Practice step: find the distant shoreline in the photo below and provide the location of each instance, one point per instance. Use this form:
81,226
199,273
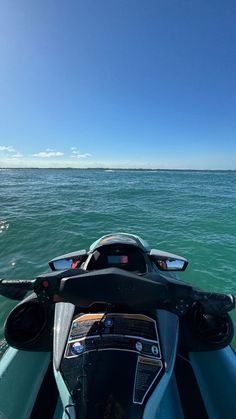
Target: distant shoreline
117,169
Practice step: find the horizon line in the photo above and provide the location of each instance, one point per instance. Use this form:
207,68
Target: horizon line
118,168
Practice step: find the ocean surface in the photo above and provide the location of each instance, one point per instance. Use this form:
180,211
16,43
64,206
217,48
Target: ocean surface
47,212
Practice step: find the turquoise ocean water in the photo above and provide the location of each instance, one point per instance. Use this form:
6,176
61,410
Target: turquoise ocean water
47,212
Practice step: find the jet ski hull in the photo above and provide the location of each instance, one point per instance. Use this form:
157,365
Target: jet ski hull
23,375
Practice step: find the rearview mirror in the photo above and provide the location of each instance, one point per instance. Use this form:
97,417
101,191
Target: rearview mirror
166,261
68,261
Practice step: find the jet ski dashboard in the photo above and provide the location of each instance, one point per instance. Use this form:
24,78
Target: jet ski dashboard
123,256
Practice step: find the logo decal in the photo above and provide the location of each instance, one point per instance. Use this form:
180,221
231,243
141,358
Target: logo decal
77,348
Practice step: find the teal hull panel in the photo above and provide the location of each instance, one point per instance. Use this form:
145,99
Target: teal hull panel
21,375
216,376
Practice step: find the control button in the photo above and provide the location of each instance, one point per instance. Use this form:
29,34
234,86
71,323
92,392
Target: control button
155,350
139,346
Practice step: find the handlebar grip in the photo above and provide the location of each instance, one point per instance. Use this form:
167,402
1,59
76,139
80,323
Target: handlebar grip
26,284
15,289
215,303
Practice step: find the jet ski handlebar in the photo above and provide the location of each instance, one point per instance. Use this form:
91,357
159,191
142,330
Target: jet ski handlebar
117,287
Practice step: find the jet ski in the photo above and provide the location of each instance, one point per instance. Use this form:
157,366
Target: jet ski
113,333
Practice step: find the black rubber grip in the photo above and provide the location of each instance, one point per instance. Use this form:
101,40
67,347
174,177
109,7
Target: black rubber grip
215,303
15,289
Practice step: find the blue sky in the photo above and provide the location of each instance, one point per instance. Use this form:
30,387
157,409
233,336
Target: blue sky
118,83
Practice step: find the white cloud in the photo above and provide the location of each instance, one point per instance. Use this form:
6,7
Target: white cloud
48,153
16,156
8,149
73,148
9,153
76,154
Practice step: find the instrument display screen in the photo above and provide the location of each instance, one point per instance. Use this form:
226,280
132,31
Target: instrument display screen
117,259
